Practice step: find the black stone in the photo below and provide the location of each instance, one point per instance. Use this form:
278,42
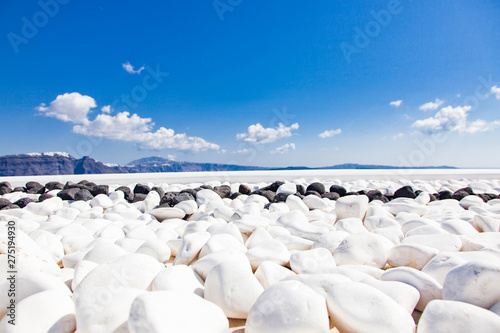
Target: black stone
54,186
224,191
331,195
44,197
485,197
181,197
190,191
351,193
85,182
234,195
139,197
317,187
12,206
206,187
374,195
467,189
405,192
362,192
298,194
280,197
244,189
6,184
4,190
141,189
167,198
267,205
312,193
301,189
129,196
18,189
69,185
492,196
34,188
443,195
160,191
269,195
338,189
417,192
273,187
83,194
68,194
4,203
460,194
433,196
23,202
99,189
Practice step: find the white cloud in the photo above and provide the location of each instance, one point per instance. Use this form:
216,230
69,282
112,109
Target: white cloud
130,69
398,136
284,149
73,107
396,103
69,107
431,105
450,119
496,91
106,109
330,133
171,157
242,151
258,134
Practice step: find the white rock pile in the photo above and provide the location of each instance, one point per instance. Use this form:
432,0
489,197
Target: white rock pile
300,256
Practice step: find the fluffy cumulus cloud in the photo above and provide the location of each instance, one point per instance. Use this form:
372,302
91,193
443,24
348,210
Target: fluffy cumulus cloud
429,106
121,127
106,109
397,136
396,103
450,119
259,134
329,133
496,91
284,149
69,107
130,69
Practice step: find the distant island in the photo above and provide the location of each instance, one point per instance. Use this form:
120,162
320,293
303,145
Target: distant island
60,163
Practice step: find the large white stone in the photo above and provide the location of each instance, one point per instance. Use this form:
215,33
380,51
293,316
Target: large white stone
404,294
474,282
101,200
206,196
487,223
46,311
288,306
156,249
361,249
269,273
296,222
314,202
178,277
165,213
287,188
428,288
351,206
440,242
104,252
233,287
357,307
271,250
295,203
411,255
316,261
190,247
451,316
350,225
175,311
204,265
330,241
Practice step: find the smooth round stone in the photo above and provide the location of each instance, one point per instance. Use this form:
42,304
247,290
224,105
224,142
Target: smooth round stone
315,261
439,266
330,241
29,284
252,208
295,243
357,307
314,202
204,265
105,309
351,206
428,288
393,234
67,213
451,316
295,203
226,213
156,249
178,277
172,311
49,243
190,247
319,282
287,188
298,225
480,240
220,242
404,294
271,250
471,200
415,223
233,287
288,306
226,229
474,282
101,200
104,252
269,273
166,213
188,206
399,207
485,223
258,199
46,311
425,230
440,242
411,255
361,249
458,227
140,232
376,222
279,207
350,225
206,196
129,271
258,236
129,245
82,268
248,223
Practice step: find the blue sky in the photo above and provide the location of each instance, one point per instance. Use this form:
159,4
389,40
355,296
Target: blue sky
211,81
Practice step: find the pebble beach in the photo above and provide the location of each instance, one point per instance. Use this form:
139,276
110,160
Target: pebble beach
281,255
